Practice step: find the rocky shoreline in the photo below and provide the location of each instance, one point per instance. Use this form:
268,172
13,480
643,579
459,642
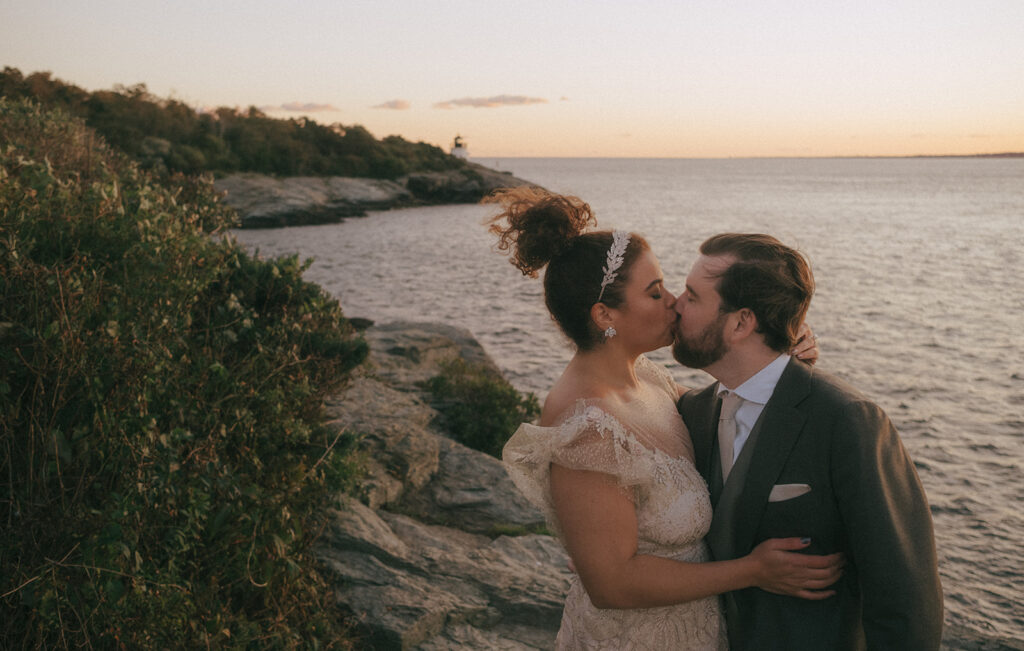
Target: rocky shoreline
268,202
422,559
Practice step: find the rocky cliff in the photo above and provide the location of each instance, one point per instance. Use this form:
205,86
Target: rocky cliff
418,559
265,201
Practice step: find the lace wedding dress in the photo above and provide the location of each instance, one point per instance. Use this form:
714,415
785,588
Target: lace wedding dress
644,444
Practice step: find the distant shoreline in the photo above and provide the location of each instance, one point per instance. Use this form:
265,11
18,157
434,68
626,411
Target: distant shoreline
265,201
1009,154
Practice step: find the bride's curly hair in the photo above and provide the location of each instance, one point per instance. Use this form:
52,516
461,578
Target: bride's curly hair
545,229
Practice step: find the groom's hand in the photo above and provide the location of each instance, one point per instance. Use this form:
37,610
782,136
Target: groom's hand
806,347
786,572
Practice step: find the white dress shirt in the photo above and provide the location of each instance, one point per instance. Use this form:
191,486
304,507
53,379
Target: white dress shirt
755,393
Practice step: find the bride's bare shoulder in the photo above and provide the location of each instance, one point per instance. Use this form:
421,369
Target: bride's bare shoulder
555,405
569,388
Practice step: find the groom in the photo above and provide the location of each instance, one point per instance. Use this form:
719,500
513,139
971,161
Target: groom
790,451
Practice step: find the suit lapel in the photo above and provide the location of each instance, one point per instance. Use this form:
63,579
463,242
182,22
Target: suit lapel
704,430
781,426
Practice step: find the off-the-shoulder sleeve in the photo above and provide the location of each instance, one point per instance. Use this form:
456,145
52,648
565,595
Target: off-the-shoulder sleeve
588,439
657,375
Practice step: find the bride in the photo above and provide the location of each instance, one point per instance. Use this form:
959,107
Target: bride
610,462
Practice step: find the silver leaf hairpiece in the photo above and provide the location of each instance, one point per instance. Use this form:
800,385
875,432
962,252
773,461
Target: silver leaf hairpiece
620,240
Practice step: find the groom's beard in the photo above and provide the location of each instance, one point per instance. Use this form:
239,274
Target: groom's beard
703,350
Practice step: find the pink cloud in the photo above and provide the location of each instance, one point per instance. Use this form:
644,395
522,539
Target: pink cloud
396,104
307,107
491,102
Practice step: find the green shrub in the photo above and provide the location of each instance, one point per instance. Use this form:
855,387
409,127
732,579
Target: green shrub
162,450
480,409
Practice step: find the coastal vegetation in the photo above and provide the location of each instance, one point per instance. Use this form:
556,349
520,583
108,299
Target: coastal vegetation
166,461
163,454
479,408
167,135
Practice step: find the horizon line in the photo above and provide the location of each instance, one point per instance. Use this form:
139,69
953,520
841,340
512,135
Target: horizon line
1016,154
998,155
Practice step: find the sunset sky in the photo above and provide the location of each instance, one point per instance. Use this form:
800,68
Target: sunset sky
680,78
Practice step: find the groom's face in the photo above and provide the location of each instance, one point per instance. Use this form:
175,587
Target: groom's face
699,335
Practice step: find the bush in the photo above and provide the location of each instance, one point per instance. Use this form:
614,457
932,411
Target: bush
480,409
163,454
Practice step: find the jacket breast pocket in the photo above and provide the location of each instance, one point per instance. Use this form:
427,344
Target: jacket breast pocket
783,492
793,513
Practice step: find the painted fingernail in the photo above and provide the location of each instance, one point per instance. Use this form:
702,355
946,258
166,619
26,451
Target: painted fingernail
805,541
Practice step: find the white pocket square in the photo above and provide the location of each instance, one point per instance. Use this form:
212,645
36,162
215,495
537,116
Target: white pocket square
783,492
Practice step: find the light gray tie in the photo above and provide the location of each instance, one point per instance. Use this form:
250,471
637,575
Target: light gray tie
727,430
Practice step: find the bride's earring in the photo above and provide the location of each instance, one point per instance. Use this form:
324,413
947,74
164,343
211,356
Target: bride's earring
610,332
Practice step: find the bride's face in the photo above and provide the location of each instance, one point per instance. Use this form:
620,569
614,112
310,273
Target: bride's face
646,319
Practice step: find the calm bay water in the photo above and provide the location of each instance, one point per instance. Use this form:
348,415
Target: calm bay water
919,302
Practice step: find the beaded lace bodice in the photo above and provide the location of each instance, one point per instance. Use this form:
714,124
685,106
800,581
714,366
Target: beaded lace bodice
644,444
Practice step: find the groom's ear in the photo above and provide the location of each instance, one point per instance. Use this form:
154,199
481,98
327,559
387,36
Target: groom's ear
745,324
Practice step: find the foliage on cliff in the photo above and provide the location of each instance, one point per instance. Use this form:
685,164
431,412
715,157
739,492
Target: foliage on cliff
162,448
480,409
166,134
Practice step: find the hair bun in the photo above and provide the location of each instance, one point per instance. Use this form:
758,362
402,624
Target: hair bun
540,225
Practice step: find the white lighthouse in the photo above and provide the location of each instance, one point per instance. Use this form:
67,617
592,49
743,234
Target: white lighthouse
459,149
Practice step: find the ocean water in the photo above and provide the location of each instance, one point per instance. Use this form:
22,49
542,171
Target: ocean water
919,302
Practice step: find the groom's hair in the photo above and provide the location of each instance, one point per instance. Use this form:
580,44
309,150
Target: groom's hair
769,278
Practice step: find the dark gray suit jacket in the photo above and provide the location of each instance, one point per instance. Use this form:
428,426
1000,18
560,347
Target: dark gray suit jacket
866,501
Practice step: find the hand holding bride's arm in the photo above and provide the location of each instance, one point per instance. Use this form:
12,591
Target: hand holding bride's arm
785,572
599,525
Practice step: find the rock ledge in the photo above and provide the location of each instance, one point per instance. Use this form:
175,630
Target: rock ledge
414,560
266,201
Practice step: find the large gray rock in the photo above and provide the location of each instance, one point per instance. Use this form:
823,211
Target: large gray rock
410,464
472,491
266,201
392,426
411,585
407,581
405,353
468,184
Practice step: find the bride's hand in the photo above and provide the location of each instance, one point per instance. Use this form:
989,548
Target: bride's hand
785,572
806,348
